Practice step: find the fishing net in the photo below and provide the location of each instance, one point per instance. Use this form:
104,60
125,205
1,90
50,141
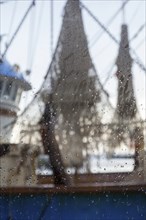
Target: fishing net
128,128
80,103
85,122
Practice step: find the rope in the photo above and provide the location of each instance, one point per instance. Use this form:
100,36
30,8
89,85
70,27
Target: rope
140,43
135,12
39,90
6,1
12,18
52,23
33,128
136,59
109,74
110,22
32,25
138,32
123,13
114,39
18,28
102,50
37,34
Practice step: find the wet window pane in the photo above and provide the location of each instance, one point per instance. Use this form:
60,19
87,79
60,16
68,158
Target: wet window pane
79,137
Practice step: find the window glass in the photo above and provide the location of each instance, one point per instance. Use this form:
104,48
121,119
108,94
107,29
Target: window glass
14,93
83,124
18,96
8,89
1,87
43,165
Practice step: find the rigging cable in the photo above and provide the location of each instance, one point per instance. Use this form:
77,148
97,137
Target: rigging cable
31,34
102,50
102,32
52,25
136,58
32,25
12,18
123,13
3,2
37,34
140,43
1,38
51,65
109,73
18,28
39,90
135,13
110,22
138,32
33,43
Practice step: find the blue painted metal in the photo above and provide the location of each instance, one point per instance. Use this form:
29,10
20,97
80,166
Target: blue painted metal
7,70
89,206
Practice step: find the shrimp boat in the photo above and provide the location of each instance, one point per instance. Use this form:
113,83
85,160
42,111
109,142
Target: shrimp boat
64,128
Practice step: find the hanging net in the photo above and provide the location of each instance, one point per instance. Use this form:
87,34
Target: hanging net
128,128
81,106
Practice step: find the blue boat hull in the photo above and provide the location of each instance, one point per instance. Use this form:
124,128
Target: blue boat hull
74,206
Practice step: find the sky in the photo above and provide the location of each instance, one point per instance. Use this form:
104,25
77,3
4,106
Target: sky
31,48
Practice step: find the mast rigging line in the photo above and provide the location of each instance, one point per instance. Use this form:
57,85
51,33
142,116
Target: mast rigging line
39,90
31,41
33,128
36,34
102,50
136,59
52,25
12,18
135,13
3,2
110,21
138,32
140,43
109,74
19,26
53,58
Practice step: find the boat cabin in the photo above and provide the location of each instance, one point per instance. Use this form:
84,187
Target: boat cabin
12,84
